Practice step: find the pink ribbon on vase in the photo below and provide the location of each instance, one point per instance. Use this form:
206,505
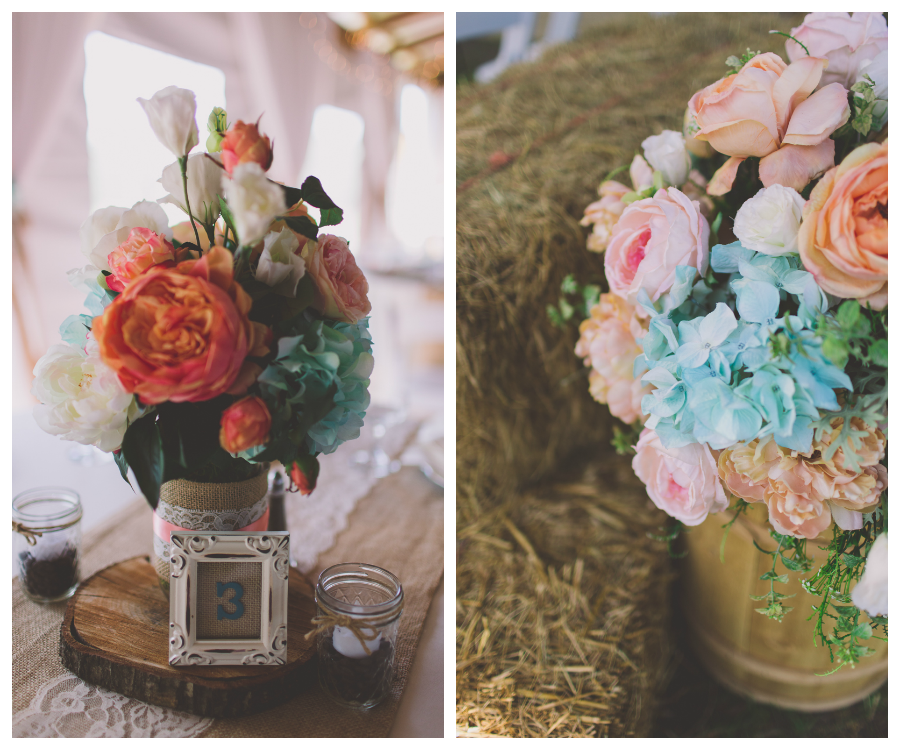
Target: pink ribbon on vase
163,529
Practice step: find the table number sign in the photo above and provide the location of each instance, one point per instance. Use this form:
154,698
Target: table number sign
229,594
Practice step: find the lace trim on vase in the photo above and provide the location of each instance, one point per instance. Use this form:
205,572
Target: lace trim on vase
68,707
211,520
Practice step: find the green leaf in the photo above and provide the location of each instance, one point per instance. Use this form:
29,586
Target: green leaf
228,216
863,630
569,285
851,561
119,458
878,353
302,225
313,193
143,451
566,309
791,564
836,351
771,575
848,313
292,195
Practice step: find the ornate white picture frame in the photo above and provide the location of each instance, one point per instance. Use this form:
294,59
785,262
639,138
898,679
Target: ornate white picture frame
214,622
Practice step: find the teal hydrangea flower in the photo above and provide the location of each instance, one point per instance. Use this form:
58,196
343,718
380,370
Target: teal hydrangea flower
317,387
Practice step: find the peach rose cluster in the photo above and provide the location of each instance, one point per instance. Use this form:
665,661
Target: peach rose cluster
652,238
804,492
773,111
609,347
182,334
843,239
683,482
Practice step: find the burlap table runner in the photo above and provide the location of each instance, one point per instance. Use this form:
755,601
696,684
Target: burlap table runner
398,526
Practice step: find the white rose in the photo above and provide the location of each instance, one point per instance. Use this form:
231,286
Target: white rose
877,70
254,201
81,398
204,181
278,266
107,228
770,220
172,114
668,153
871,593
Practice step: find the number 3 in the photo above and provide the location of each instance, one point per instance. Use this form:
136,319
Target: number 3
221,588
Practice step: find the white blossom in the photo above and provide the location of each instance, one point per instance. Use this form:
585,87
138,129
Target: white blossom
278,266
667,152
770,221
204,182
81,397
254,201
871,593
172,114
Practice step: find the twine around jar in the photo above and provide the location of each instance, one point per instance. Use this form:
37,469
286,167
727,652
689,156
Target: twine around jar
30,534
353,624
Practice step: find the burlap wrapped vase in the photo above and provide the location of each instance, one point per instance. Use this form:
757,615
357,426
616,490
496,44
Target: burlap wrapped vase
207,506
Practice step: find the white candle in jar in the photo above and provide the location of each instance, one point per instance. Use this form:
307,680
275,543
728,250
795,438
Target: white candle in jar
345,642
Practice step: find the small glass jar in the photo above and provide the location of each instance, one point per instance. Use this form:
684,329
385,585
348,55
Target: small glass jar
48,542
359,608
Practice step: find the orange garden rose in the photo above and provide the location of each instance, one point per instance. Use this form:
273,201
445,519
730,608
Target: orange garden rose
245,424
142,250
244,143
844,235
341,288
182,334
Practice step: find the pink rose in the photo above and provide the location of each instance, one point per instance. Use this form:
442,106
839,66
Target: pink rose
768,109
341,288
604,214
142,250
653,237
846,41
843,239
608,346
683,482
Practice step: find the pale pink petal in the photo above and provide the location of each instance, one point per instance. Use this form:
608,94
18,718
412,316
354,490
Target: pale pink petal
819,116
878,300
641,173
848,520
797,82
723,179
742,138
794,166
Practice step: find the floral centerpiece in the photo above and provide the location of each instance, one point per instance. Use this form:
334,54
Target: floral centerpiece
743,336
235,338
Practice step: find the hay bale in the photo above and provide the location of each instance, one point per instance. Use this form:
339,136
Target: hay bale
562,603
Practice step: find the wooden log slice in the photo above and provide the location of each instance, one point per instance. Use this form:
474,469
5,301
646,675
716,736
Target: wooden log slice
115,635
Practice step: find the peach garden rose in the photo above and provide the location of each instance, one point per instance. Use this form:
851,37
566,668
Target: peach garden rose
608,346
773,111
843,239
244,143
341,288
683,482
245,424
182,334
652,238
142,250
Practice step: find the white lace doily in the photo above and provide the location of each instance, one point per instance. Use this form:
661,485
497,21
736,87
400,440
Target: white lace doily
67,707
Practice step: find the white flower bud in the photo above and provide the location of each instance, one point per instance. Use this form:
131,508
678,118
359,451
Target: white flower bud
668,153
871,593
278,266
254,201
172,112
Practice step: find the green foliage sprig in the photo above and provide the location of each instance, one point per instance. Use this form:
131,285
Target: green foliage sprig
575,302
735,63
798,561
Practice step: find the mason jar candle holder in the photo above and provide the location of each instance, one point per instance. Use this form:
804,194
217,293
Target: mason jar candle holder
358,609
48,542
